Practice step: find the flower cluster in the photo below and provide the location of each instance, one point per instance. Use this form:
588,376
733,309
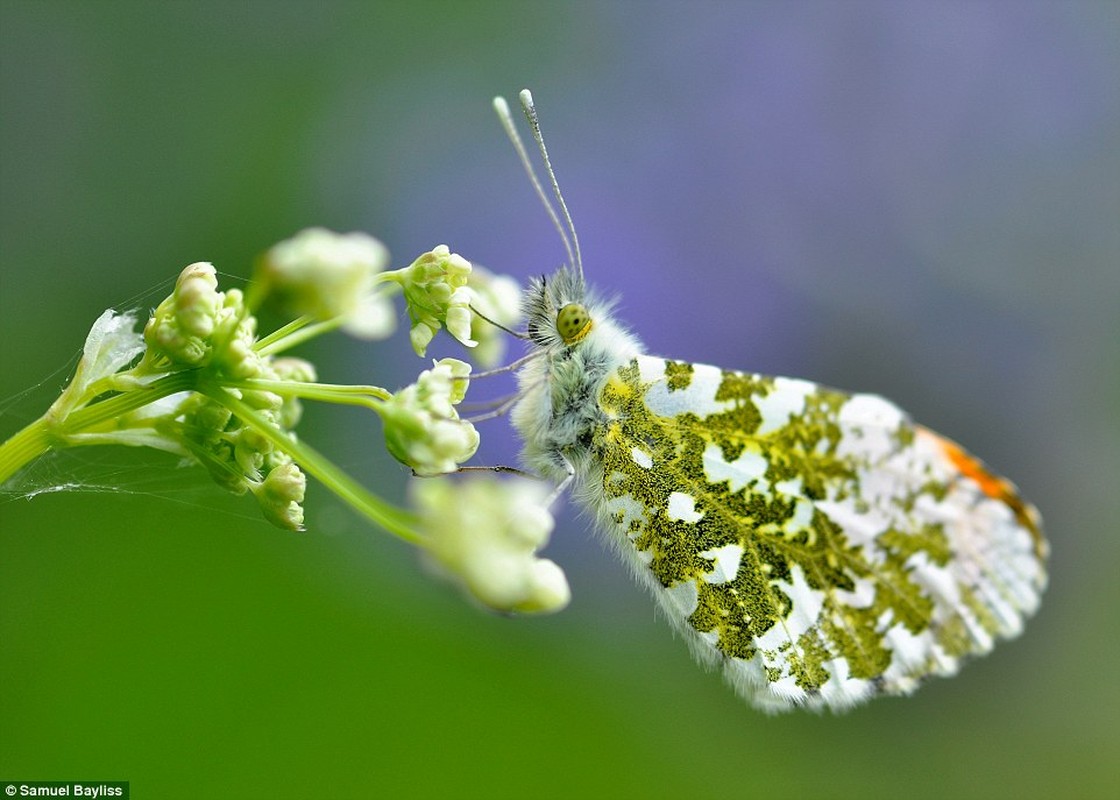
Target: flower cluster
200,383
423,429
199,326
435,288
238,450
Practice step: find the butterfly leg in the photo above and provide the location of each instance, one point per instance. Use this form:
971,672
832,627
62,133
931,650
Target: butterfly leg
569,476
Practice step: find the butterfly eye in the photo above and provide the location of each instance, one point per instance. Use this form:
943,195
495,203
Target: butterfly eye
572,323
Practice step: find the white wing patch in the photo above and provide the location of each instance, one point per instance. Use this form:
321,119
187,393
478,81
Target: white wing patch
683,507
740,473
725,563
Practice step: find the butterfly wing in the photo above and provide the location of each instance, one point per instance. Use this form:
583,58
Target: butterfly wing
818,546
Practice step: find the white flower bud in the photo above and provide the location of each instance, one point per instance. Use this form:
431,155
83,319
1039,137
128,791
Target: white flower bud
459,316
197,299
484,534
181,327
549,590
281,494
329,275
421,336
458,376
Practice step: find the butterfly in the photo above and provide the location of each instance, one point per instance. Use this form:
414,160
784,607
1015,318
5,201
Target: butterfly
817,547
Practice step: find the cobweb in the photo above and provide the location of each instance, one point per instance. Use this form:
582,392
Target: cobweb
125,471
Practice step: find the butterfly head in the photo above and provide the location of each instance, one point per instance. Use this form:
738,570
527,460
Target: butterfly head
558,310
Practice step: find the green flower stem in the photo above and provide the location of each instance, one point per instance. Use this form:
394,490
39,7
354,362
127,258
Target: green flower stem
117,406
395,520
294,333
343,394
49,432
282,331
391,276
25,446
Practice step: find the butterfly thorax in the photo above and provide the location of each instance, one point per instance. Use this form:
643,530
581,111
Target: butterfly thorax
578,345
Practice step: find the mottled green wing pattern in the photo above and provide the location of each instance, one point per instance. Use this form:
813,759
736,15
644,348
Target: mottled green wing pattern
817,546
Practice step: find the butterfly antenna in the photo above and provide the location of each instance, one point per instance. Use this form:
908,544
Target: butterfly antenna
500,326
530,110
502,109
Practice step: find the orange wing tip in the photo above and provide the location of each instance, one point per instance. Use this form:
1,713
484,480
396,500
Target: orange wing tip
992,485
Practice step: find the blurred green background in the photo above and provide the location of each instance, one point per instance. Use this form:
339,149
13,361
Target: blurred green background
918,199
